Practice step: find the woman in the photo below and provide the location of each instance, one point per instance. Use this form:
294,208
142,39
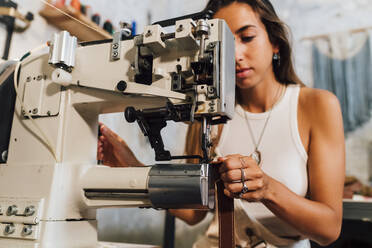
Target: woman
282,154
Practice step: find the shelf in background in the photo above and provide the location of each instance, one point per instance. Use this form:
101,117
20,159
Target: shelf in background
63,22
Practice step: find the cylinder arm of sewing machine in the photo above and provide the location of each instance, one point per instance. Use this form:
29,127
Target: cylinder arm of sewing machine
194,65
158,186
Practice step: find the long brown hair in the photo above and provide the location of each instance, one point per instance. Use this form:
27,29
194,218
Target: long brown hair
278,35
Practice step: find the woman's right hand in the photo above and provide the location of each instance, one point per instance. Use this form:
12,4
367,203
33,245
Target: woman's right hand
113,150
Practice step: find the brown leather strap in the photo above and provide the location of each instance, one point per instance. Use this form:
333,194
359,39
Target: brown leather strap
225,218
225,206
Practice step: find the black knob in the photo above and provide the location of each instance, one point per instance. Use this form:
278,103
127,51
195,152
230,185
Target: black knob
130,114
122,85
29,16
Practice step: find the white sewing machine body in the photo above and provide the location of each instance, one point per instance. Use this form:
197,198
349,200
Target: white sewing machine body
44,203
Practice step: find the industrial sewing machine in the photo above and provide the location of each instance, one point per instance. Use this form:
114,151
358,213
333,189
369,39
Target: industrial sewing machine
50,182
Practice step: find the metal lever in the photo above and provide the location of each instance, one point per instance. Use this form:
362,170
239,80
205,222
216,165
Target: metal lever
151,121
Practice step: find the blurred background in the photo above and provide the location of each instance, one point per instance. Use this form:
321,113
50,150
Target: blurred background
332,50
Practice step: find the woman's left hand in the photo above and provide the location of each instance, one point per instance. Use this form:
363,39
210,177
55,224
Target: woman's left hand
256,181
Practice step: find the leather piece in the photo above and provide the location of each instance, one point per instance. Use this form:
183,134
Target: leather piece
225,218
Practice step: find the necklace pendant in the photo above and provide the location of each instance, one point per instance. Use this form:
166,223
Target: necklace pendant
256,155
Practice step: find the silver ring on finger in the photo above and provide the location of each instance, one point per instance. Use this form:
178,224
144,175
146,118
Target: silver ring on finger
245,188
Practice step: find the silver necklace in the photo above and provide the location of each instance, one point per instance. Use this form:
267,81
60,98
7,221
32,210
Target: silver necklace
256,154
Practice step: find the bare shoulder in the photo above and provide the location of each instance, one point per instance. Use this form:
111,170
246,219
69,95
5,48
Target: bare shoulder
319,106
316,101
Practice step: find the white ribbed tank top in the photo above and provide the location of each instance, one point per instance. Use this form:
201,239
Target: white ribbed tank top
283,155
284,158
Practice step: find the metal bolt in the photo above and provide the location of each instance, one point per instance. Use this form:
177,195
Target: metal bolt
211,90
28,79
180,28
39,77
9,229
202,27
115,46
122,85
211,45
12,210
4,157
35,110
29,210
115,54
148,34
27,230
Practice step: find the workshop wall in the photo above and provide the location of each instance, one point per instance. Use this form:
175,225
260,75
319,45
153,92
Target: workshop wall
305,18
312,17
